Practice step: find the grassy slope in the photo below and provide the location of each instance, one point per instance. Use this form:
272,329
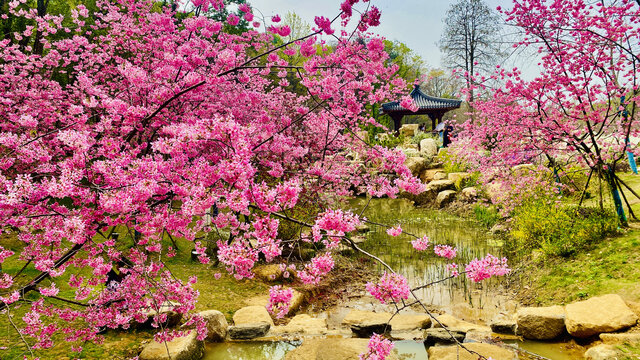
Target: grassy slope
612,266
225,295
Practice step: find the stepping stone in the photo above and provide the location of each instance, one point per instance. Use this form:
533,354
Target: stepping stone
541,323
456,353
248,331
216,324
602,314
441,336
183,348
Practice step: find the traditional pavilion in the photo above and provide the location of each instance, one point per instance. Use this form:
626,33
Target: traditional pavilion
432,106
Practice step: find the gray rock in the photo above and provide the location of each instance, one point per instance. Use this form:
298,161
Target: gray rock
445,197
367,330
173,317
251,315
416,164
607,313
469,194
455,353
248,331
440,185
183,348
429,147
602,352
441,336
541,323
409,130
503,324
216,324
440,176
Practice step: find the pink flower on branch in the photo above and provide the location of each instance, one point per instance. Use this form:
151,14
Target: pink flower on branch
279,301
378,348
317,269
391,288
395,231
421,244
445,251
478,270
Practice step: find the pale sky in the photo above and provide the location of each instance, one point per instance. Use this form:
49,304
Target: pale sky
417,23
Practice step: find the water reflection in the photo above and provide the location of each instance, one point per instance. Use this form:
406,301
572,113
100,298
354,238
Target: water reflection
472,241
249,350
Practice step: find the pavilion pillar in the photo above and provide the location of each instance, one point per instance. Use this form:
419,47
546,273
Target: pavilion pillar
397,121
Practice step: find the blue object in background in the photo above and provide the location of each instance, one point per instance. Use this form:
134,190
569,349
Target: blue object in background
632,162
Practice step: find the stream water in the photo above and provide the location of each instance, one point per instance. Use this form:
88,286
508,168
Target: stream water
468,301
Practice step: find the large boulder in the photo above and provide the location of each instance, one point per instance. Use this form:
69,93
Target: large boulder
442,336
182,348
416,164
602,352
441,176
458,177
365,323
445,197
302,324
357,317
503,324
429,147
541,323
173,318
621,338
428,175
607,313
455,353
469,194
331,349
409,130
440,185
216,325
268,273
252,315
404,322
249,331
453,323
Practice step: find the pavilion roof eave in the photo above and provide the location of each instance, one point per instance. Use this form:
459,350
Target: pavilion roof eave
426,104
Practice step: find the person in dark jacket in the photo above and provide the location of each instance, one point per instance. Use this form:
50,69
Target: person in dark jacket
446,136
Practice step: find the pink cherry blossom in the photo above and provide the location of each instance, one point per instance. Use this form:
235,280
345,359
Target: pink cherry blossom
445,251
391,288
478,270
279,301
395,231
421,244
378,348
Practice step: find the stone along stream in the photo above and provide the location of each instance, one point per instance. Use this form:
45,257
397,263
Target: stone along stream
463,299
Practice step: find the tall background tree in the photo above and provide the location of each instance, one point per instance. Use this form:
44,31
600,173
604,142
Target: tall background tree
470,40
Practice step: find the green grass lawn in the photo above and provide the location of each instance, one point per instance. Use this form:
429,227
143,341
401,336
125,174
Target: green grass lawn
611,266
225,294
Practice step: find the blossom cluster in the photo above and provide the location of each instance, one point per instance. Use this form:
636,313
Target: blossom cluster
279,301
445,251
391,287
421,244
317,269
481,269
377,349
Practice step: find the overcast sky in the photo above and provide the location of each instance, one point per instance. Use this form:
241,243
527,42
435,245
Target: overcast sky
417,23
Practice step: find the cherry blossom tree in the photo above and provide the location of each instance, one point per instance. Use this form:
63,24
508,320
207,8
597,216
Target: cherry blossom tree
580,109
141,117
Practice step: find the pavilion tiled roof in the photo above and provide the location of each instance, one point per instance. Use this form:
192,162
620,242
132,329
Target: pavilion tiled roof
424,102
